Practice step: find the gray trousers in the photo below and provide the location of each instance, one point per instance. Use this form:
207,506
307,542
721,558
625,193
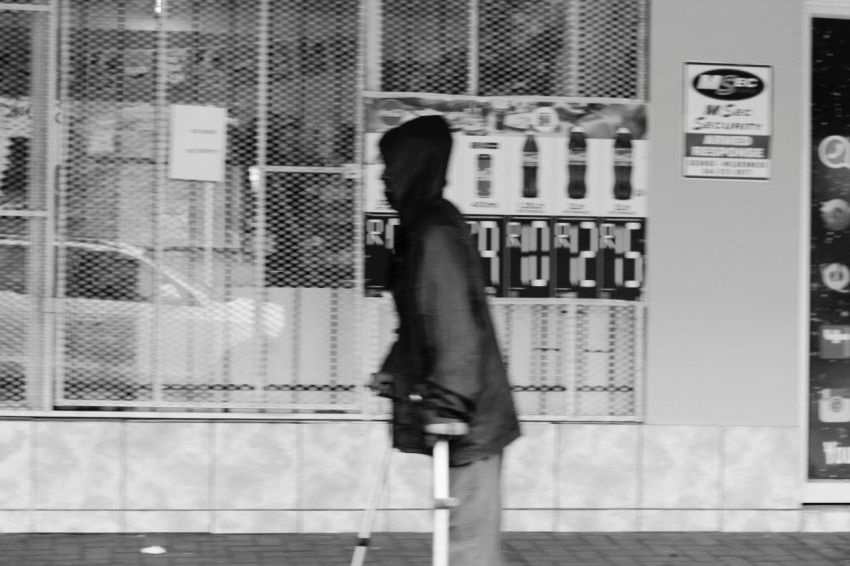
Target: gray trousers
475,524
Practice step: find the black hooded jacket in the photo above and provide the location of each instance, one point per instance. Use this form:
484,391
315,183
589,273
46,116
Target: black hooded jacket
446,353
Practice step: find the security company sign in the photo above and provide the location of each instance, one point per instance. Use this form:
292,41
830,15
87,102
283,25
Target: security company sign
727,121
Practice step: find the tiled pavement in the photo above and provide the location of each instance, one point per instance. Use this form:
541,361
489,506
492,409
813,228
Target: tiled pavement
399,549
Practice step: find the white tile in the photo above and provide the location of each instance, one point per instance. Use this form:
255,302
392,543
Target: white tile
409,482
529,468
596,520
329,521
680,467
528,520
168,466
15,522
761,468
826,520
339,463
760,521
167,521
672,520
78,465
404,521
254,521
16,473
598,466
77,522
256,465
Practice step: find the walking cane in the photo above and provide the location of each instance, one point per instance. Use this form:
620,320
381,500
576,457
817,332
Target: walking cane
375,496
442,500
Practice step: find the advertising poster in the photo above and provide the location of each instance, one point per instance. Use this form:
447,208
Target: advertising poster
829,297
554,190
727,121
537,156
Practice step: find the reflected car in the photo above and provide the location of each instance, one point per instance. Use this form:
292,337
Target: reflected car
127,321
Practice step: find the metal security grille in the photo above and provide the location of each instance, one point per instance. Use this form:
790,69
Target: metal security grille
25,42
245,292
566,359
586,48
182,292
577,360
425,46
609,46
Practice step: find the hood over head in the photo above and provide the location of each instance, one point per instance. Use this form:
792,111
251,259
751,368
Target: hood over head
416,158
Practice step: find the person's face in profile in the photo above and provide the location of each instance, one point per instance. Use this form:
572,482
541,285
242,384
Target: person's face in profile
390,179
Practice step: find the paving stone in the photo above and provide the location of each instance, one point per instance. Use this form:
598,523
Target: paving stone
413,549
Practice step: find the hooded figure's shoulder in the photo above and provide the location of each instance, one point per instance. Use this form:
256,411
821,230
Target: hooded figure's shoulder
440,213
441,220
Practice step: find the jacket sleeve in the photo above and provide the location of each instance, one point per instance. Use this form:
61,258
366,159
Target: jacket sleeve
396,362
448,326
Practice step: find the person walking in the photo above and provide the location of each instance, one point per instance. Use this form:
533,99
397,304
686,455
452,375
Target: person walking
445,366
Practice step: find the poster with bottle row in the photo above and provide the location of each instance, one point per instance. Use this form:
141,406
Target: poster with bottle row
534,256
529,156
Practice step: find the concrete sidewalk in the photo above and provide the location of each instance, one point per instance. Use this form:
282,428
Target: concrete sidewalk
401,549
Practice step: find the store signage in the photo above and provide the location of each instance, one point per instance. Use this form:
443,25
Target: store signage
834,152
727,121
835,454
829,264
728,84
835,342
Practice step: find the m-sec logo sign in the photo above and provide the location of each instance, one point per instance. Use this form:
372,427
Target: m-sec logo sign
728,84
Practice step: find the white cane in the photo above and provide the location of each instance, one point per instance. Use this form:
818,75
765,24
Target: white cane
375,496
443,502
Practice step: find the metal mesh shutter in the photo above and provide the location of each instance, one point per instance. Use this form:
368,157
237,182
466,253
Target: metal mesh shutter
566,360
25,160
172,293
425,46
175,291
587,48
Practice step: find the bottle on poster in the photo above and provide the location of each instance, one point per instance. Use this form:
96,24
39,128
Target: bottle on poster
623,157
577,163
529,166
484,175
500,110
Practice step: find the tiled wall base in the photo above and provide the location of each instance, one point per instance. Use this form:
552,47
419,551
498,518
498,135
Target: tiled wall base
77,522
16,521
239,522
826,519
127,476
419,520
597,520
761,521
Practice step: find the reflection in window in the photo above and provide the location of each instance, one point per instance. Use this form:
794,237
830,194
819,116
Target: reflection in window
15,108
108,276
12,268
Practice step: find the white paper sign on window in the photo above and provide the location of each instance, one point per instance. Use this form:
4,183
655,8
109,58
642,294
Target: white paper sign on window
198,143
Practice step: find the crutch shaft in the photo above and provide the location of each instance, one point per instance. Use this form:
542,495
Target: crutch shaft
375,493
442,503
